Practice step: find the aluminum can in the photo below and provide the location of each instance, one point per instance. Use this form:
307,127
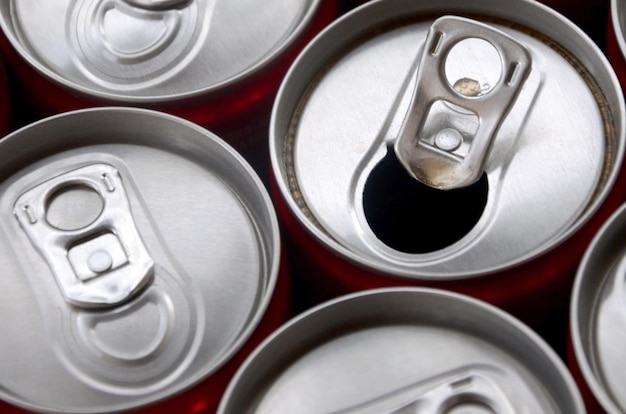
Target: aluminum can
216,63
597,318
615,40
6,110
140,264
369,105
403,350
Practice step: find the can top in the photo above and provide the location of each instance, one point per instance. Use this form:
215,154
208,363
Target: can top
344,106
403,350
139,252
140,50
598,321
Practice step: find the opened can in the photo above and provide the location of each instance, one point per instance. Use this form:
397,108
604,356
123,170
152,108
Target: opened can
403,350
597,318
466,146
140,264
216,63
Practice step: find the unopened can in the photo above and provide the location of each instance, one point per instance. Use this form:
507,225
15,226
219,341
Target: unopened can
403,350
466,146
140,264
598,319
216,63
616,41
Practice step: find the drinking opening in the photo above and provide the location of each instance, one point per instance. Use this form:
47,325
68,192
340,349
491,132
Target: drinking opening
412,217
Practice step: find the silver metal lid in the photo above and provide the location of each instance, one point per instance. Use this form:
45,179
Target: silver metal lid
598,321
403,350
152,50
138,253
342,106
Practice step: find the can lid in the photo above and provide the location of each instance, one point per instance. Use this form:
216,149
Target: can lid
152,50
135,260
618,19
399,351
341,110
598,321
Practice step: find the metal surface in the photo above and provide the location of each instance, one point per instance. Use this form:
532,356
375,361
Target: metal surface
618,20
448,148
552,164
403,350
203,218
597,318
152,51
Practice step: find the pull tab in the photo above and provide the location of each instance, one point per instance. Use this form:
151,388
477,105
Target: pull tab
469,76
461,392
82,224
157,4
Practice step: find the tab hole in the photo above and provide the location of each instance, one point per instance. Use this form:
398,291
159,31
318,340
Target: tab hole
473,67
411,217
73,207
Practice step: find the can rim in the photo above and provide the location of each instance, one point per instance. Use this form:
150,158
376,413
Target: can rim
582,359
507,318
270,241
214,89
329,243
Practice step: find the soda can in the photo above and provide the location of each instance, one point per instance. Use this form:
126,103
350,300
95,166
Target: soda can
216,63
597,319
457,145
615,40
6,110
403,350
140,264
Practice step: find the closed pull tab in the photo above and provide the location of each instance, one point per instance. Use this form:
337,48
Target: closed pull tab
469,77
82,225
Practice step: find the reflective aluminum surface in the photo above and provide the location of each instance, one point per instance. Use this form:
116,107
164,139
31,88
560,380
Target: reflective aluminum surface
552,163
138,254
147,51
403,350
598,317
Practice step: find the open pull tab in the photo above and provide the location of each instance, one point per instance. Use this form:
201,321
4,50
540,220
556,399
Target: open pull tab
82,224
470,392
469,77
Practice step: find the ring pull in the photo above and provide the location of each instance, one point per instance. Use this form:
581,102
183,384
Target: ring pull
470,75
82,224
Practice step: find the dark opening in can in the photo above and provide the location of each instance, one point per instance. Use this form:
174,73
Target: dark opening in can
140,263
514,105
405,350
